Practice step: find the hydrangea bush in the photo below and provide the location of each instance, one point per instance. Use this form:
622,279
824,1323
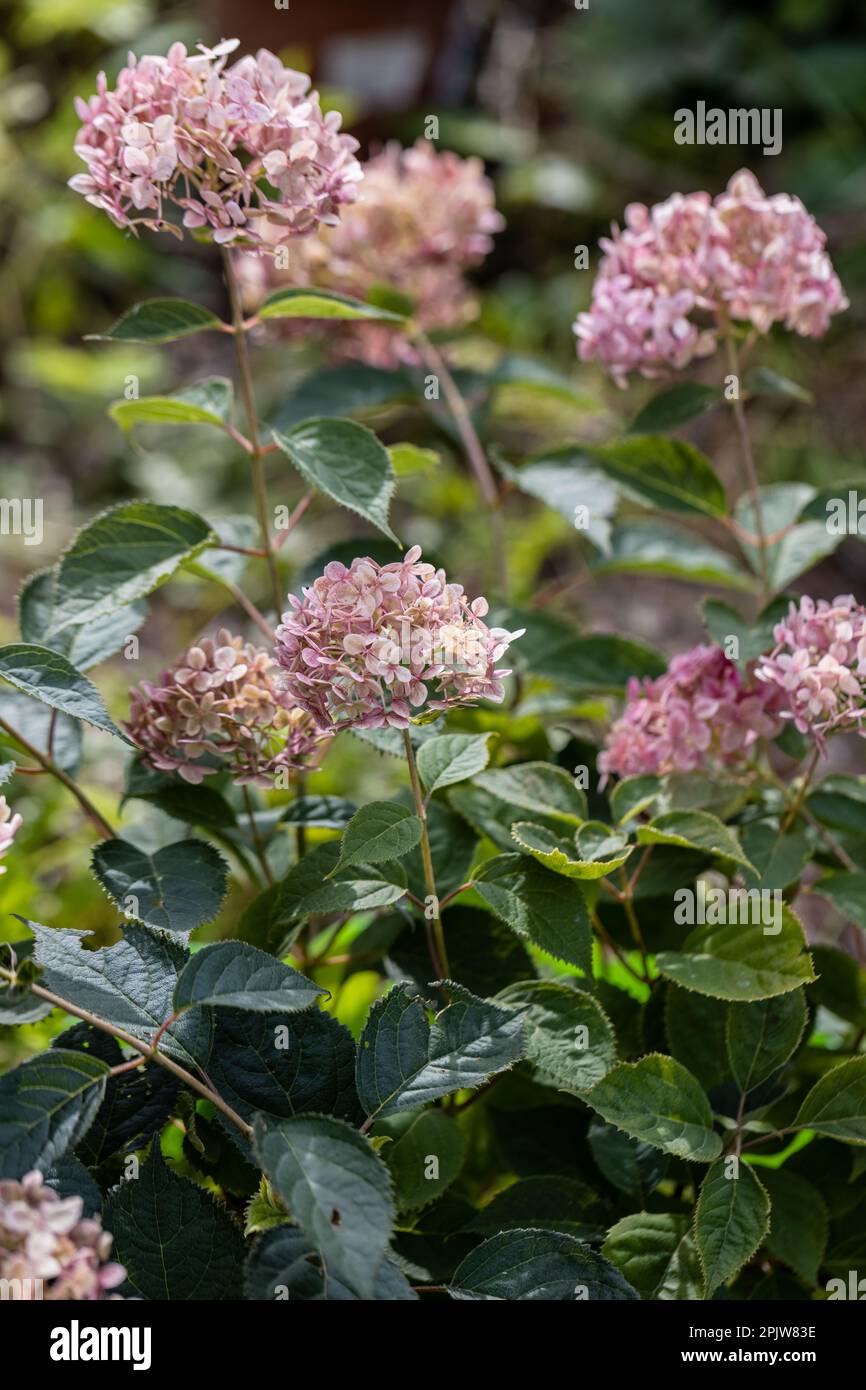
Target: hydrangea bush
603,1059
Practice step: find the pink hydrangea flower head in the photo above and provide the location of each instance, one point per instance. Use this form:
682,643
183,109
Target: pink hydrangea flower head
421,220
221,707
9,826
368,644
672,278
819,665
701,714
48,1249
241,153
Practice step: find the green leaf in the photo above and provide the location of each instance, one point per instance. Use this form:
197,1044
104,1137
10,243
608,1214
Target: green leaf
799,1224
600,663
763,381
208,402
284,1266
231,974
346,462
538,906
404,1061
696,1031
452,758
731,1219
85,645
659,1101
694,830
762,1036
569,1039
46,1107
741,961
675,406
724,622
656,1253
201,805
538,1264
555,853
337,1189
407,459
351,389
51,678
380,831
802,546
533,374
565,483
177,888
175,1241
319,812
632,1167
159,321
652,547
122,555
282,1064
663,473
129,984
634,795
18,1003
137,1103
323,304
836,1105
416,1140
847,893
545,1203
542,788
315,884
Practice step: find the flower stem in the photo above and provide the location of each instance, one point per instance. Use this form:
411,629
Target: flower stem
435,930
257,839
246,384
750,469
474,451
87,806
149,1052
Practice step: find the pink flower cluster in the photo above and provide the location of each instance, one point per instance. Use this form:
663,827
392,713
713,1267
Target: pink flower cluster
9,826
669,283
819,665
369,642
45,1238
422,219
243,153
700,714
221,707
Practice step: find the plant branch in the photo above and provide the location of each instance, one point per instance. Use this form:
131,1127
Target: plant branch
246,384
435,930
148,1052
95,817
748,459
473,449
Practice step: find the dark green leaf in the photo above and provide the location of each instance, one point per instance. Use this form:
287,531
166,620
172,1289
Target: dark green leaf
49,677
539,906
731,1220
177,888
233,975
46,1107
337,1189
656,1253
159,321
529,1264
404,1061
175,1242
659,1101
675,406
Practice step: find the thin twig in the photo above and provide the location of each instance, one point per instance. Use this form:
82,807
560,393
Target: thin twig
435,930
95,817
148,1050
246,384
